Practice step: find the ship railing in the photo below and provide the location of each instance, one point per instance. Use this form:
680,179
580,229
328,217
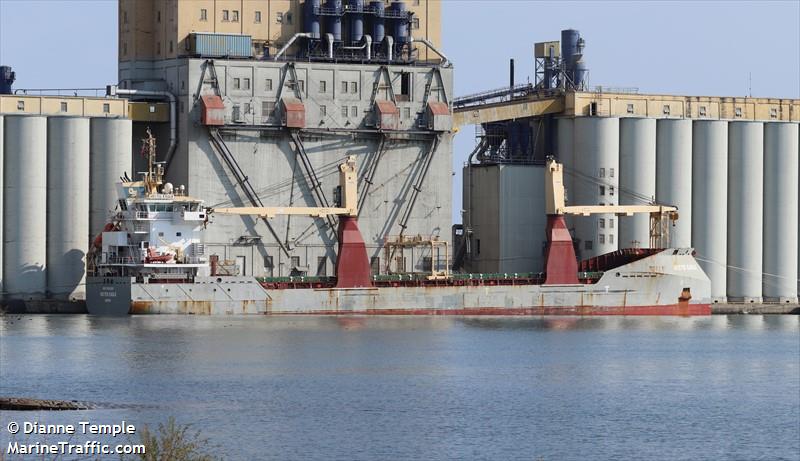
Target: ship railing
121,260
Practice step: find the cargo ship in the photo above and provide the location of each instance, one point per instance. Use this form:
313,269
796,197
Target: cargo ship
151,259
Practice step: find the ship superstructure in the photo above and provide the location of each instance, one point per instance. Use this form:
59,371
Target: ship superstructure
156,236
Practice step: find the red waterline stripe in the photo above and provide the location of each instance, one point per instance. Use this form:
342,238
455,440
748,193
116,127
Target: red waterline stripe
669,309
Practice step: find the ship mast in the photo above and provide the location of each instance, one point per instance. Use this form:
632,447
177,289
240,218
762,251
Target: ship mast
154,176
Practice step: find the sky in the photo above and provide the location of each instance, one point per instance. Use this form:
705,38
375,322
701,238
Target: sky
708,48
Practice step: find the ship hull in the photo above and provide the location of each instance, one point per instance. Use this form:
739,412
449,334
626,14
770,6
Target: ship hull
656,285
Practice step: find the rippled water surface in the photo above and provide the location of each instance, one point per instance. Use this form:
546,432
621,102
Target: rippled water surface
723,387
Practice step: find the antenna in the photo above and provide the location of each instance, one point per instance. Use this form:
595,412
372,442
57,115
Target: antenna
749,84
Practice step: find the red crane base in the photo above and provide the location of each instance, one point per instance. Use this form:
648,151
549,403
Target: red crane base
561,265
352,263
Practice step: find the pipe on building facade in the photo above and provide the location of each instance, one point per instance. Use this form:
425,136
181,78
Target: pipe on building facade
173,113
290,42
367,44
330,39
389,47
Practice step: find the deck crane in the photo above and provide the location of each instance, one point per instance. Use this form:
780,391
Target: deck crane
561,265
352,263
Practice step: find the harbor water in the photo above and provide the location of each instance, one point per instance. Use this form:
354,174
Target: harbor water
306,388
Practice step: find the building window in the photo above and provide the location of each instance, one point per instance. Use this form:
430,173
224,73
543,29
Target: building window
601,239
158,47
170,46
235,16
375,265
267,107
344,87
226,16
666,109
246,84
268,84
416,2
610,238
773,113
406,113
236,112
602,190
354,87
203,14
610,172
20,105
702,111
288,18
269,266
295,262
611,223
258,17
738,112
237,83
602,223
323,111
323,86
183,107
415,23
602,172
322,266
587,245
610,190
279,18
354,111
344,111
106,108
247,108
158,16
630,108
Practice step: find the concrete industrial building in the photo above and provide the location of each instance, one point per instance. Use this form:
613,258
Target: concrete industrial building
730,164
384,102
152,30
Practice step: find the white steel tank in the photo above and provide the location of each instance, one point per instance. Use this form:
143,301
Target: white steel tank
780,211
637,178
710,201
745,210
596,182
674,175
25,207
110,157
67,206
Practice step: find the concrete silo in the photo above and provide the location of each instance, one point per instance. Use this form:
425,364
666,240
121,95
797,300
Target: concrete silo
745,210
110,156
710,201
780,211
637,177
674,175
596,182
25,207
67,206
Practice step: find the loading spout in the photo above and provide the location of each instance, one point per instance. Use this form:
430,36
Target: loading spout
289,43
427,43
112,90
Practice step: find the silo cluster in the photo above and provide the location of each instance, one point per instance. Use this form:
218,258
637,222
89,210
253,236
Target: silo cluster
53,170
735,184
